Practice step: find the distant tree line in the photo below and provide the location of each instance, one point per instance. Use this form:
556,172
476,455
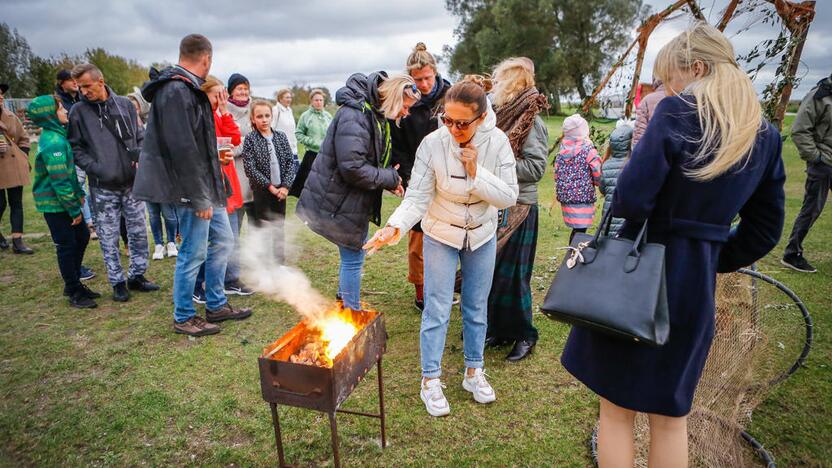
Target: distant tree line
28,74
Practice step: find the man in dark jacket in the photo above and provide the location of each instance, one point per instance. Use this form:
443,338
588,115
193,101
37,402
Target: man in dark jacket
67,89
812,134
104,133
423,119
180,164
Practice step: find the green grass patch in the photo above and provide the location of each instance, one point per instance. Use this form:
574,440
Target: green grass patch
115,386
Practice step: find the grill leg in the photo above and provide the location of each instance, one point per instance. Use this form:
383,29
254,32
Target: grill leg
333,427
277,437
381,404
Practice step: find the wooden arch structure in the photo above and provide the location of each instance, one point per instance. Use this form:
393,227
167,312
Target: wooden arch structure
796,17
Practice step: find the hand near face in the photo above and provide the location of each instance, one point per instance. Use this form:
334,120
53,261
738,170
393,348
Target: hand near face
468,156
222,101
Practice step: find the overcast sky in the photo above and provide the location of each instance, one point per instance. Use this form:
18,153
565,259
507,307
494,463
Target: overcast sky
315,42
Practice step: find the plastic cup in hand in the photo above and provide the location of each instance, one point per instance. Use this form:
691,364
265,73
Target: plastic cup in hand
224,149
223,143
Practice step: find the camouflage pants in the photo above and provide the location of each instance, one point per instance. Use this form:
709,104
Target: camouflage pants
109,206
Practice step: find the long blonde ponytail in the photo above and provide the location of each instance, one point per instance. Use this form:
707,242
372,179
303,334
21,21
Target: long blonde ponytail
727,106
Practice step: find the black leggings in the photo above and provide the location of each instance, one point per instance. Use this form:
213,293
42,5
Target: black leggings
268,209
15,197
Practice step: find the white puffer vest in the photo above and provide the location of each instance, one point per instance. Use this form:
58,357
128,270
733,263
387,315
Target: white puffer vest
454,209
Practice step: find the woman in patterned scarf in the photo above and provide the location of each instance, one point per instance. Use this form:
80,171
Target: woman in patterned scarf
517,104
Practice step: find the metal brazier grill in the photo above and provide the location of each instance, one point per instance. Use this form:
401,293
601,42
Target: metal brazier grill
323,388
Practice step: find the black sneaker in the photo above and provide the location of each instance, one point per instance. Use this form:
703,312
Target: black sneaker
199,295
88,292
120,293
80,300
238,288
798,263
419,305
140,283
86,274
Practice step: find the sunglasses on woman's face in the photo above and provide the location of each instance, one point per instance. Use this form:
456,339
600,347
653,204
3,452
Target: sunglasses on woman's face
461,125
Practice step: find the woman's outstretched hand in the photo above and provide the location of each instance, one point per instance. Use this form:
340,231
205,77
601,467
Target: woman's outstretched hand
384,236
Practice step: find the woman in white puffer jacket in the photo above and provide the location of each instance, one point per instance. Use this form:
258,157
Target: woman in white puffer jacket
464,173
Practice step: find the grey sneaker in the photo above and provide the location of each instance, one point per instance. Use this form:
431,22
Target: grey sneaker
195,326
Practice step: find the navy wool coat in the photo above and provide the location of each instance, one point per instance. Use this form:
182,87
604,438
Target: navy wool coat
694,221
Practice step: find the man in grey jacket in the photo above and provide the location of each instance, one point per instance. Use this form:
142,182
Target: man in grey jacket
105,137
812,134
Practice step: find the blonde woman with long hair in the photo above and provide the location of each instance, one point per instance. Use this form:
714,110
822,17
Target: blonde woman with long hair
707,155
343,192
518,105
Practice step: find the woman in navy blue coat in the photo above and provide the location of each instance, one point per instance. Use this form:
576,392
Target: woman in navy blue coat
689,184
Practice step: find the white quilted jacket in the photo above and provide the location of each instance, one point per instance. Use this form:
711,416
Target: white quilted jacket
454,209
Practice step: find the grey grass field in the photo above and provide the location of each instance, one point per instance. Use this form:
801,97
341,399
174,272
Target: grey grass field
115,386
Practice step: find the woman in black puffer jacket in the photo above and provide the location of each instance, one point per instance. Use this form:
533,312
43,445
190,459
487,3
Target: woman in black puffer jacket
343,192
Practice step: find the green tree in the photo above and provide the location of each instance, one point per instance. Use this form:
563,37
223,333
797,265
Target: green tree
45,70
15,62
569,40
120,73
591,34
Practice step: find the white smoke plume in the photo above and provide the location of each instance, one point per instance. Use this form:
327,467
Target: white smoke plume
261,271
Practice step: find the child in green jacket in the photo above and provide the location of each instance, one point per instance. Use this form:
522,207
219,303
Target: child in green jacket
59,196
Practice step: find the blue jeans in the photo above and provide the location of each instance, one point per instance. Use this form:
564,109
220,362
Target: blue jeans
201,239
440,272
349,276
166,211
232,270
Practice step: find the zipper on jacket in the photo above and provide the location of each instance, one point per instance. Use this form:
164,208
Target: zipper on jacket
338,206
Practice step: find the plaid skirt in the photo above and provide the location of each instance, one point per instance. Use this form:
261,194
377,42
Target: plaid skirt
510,300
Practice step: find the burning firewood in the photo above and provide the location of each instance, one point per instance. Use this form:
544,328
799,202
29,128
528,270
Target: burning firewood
310,354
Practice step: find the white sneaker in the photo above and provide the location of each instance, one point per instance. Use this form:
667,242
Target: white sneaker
434,399
476,384
159,252
172,252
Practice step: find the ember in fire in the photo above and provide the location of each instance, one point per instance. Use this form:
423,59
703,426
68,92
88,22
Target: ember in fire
329,337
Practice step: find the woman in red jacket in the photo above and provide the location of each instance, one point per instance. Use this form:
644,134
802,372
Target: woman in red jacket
225,127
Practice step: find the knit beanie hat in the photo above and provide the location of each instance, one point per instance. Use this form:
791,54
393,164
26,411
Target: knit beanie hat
575,127
236,79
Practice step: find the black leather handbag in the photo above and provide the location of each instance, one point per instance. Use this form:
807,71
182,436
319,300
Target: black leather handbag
612,285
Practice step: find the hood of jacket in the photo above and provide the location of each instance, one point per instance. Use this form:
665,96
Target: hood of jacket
620,139
359,89
158,78
43,112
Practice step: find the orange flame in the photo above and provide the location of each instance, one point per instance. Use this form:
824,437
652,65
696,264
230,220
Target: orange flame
335,334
